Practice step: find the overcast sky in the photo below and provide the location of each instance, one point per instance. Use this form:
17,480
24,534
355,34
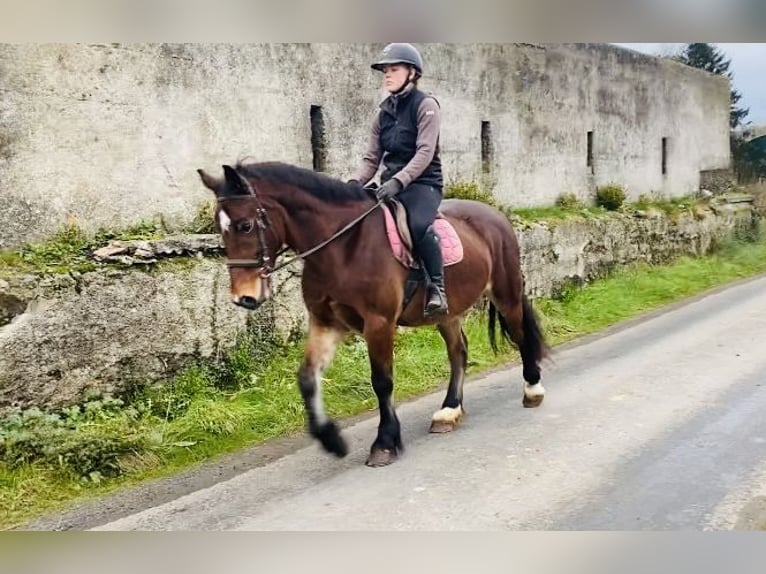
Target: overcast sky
748,64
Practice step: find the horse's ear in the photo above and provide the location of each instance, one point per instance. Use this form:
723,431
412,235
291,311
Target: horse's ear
209,181
237,184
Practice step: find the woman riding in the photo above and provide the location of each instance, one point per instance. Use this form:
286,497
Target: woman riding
405,136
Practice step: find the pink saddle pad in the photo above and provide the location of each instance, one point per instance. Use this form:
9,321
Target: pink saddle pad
452,247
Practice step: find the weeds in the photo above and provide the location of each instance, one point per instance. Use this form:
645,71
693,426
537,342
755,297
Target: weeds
70,249
610,197
569,201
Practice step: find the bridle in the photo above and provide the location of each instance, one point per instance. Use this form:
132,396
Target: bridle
262,223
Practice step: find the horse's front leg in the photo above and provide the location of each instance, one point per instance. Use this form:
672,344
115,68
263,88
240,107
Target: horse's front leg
320,350
379,334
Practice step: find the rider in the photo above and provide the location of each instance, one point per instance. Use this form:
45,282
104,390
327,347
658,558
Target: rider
405,135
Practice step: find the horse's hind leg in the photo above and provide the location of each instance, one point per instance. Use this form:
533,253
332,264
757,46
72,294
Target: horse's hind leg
519,324
320,350
445,419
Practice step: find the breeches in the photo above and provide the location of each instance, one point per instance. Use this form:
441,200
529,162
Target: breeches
422,204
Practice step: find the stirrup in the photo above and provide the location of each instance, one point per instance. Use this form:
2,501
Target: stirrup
439,307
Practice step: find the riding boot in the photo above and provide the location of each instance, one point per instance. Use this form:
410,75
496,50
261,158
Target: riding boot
430,253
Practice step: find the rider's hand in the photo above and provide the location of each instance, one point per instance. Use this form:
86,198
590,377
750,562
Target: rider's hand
388,189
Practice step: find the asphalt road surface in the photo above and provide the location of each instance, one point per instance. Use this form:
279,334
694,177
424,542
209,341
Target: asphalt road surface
659,424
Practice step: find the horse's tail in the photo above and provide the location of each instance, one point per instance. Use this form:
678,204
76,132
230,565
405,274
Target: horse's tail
533,335
494,315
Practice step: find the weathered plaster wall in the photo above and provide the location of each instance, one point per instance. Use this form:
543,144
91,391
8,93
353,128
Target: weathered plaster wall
110,134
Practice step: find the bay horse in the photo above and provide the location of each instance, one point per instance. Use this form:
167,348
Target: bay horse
353,283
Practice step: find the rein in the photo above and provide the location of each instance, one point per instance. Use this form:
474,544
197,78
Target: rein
262,260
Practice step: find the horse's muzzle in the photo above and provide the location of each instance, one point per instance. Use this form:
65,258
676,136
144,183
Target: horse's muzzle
249,303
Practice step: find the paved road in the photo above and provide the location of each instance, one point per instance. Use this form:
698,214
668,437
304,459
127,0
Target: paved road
660,425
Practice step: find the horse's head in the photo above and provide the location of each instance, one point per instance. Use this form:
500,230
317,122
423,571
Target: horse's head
243,224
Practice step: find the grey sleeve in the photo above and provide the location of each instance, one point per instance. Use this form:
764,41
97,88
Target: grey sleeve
429,125
371,158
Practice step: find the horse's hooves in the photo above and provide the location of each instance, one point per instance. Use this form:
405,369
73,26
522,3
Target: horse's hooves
381,457
439,427
331,440
446,419
532,402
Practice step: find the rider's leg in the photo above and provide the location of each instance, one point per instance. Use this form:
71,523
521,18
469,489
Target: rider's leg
431,254
422,203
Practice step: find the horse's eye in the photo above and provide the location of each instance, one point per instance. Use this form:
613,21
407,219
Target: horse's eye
245,226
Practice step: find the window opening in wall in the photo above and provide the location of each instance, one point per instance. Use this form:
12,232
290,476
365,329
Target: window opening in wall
318,138
664,156
589,157
486,147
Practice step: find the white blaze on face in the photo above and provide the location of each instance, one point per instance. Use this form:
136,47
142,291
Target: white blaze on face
224,221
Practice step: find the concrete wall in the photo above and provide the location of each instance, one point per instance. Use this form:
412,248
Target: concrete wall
106,135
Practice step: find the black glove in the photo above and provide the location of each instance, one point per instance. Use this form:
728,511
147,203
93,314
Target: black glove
388,189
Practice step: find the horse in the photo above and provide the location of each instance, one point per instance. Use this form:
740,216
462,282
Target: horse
351,282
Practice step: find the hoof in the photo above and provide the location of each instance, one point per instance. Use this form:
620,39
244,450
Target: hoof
381,457
440,427
533,395
446,419
329,436
532,402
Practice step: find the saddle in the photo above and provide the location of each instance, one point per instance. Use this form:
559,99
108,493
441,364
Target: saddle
400,240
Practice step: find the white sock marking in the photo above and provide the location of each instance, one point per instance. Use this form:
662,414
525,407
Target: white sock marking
224,221
448,415
534,391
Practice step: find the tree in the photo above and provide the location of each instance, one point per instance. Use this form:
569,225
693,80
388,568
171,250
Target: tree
707,57
749,158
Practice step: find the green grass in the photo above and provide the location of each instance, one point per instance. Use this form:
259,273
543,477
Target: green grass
529,214
253,396
567,208
637,289
69,250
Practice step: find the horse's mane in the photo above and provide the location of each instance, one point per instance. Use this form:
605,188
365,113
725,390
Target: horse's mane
317,184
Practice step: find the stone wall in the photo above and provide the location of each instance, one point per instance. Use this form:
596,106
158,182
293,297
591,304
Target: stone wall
579,250
717,181
115,328
63,334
